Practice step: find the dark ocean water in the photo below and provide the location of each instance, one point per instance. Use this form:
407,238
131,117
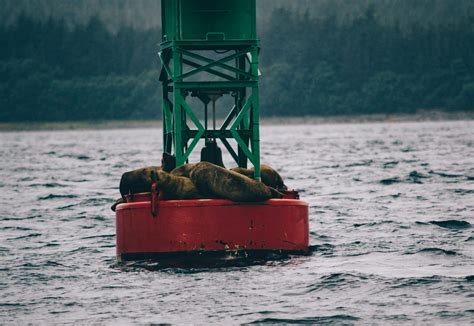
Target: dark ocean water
391,220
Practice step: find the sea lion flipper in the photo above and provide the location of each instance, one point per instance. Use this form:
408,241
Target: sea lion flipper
117,202
275,193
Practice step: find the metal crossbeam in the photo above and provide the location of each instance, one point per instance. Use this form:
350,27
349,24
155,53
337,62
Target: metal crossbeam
235,125
214,85
198,124
211,71
212,63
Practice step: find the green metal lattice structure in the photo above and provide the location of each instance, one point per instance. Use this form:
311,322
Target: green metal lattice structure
210,49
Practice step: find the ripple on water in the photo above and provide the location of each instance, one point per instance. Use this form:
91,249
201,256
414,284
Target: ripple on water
27,236
452,224
48,185
56,196
334,319
414,282
434,251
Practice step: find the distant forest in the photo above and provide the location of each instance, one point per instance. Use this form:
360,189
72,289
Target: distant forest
52,71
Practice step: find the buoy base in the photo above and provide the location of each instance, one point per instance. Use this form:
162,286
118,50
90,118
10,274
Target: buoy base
179,228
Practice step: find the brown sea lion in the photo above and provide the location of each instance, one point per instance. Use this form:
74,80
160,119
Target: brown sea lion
216,182
269,176
183,170
176,187
139,180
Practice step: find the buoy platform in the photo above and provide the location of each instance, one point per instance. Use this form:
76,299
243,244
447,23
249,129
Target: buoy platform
211,226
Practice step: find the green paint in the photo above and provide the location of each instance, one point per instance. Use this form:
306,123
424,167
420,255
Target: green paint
223,26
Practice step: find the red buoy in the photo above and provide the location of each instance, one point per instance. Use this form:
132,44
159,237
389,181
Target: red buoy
146,231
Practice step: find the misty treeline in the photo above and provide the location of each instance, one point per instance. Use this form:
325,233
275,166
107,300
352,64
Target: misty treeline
318,67
51,71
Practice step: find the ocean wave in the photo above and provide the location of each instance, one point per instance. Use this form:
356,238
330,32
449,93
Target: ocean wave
48,185
452,224
416,281
55,196
435,251
307,320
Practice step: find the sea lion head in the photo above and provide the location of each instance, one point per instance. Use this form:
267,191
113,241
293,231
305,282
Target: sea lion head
272,178
137,181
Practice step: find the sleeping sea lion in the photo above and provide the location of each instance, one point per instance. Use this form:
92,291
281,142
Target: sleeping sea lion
269,176
216,182
176,187
183,170
139,180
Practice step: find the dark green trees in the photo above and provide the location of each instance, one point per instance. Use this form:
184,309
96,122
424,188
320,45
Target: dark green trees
327,66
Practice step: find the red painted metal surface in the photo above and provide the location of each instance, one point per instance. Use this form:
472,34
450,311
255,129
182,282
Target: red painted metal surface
210,225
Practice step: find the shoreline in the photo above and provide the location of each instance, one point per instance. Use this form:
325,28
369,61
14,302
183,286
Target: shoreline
419,116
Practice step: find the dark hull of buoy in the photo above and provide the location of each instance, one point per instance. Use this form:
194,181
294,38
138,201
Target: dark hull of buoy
209,226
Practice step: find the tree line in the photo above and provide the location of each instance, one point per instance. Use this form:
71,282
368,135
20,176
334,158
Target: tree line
319,67
50,71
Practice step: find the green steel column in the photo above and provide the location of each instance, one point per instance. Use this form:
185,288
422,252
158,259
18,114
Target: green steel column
178,107
255,115
166,109
164,96
240,98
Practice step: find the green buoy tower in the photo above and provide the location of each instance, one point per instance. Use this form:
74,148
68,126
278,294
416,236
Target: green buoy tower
210,50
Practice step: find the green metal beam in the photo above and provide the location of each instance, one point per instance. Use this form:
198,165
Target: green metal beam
214,85
220,63
230,149
255,117
235,133
211,71
199,133
229,118
191,133
177,112
210,45
164,59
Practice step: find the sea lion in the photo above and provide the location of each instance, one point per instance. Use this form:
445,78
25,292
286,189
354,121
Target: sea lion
183,170
217,182
195,181
176,187
269,176
139,180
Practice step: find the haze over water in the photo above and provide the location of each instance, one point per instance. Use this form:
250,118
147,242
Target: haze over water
391,215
